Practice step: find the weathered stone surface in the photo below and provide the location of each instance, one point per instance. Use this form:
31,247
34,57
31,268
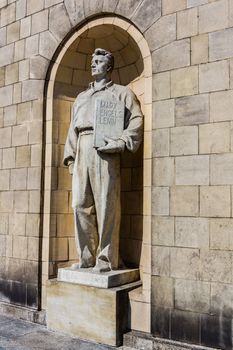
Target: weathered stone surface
184,201
221,234
24,70
25,27
21,8
162,32
40,22
34,178
110,6
12,73
47,45
19,179
163,114
185,263
13,32
6,96
32,90
5,137
187,23
221,169
75,10
169,57
32,46
8,15
192,295
38,67
3,36
163,171
59,23
199,49
6,55
220,44
161,86
163,291
221,299
192,232
160,260
8,158
169,6
214,76
160,143
215,201
10,115
23,156
184,81
19,135
127,8
221,106
214,138
49,3
19,50
216,266
146,14
33,7
184,140
20,247
4,180
208,21
162,230
192,3
91,7
192,170
160,201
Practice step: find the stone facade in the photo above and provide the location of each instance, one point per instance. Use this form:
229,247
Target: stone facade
177,56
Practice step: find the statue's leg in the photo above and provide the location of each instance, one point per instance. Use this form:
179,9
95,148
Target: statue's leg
105,181
86,235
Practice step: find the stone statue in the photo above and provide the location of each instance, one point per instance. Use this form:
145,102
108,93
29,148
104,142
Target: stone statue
96,170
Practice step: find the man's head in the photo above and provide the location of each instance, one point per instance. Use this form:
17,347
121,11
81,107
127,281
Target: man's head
102,63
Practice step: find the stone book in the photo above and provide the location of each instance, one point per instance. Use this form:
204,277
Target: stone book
109,120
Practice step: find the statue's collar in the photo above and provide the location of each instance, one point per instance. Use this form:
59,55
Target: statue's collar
106,86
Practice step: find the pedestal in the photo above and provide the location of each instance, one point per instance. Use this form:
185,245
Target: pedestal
88,312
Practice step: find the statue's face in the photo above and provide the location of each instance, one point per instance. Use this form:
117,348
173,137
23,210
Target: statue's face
99,66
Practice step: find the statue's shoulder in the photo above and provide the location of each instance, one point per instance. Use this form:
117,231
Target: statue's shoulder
123,90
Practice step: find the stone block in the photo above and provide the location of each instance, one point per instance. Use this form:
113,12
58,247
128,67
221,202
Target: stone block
25,27
38,67
4,224
168,57
187,23
24,112
6,55
21,201
32,225
40,22
60,202
73,254
221,169
221,234
215,201
47,45
192,295
17,225
59,23
32,46
2,76
34,178
21,8
24,70
199,49
126,8
23,156
2,247
214,76
160,259
33,249
192,110
162,32
2,36
65,225
59,249
219,44
13,32
75,10
161,86
160,143
221,299
184,201
17,93
146,14
19,179
216,266
34,202
184,140
20,247
213,16
192,232
6,202
163,291
35,132
185,263
163,114
19,50
214,138
33,7
6,96
192,170
4,180
163,171
160,201
8,15
12,73
10,115
193,3
8,158
171,6
162,230
221,104
32,90
19,135
5,137
184,81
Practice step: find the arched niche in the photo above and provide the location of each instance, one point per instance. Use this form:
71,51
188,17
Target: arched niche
70,74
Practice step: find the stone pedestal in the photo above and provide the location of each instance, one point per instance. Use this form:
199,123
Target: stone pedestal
96,314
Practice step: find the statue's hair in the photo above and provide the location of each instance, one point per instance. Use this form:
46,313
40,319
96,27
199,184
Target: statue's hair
107,54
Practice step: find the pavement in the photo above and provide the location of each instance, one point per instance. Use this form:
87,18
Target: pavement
17,334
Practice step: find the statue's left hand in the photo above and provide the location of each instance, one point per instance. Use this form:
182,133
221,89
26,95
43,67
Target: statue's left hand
112,146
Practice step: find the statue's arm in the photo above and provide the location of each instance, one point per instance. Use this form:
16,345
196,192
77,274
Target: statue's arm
70,145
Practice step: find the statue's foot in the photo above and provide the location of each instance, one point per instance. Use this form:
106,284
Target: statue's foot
101,266
80,265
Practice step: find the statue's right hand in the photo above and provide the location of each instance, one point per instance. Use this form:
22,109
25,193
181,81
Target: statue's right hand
71,168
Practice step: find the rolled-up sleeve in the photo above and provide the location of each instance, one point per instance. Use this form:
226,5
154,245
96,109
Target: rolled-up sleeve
71,143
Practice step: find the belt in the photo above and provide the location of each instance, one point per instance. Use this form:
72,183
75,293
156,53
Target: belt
86,131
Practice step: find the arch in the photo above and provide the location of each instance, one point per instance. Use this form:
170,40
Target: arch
52,153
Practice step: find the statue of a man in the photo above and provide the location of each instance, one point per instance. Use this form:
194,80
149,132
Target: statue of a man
96,171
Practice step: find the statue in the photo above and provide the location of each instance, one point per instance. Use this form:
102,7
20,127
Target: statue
96,168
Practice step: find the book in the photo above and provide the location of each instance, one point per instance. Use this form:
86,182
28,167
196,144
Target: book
109,120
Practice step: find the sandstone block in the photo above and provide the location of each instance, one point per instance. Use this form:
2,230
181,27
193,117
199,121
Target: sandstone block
4,180
8,158
184,81
21,201
35,132
160,261
219,44
20,135
161,86
59,249
216,266
214,76
2,76
34,178
165,29
12,73
184,201
24,70
2,246
13,32
215,201
163,291
192,170
17,93
21,7
19,50
6,55
47,45
221,234
221,299
75,10
5,137
7,15
20,247
171,6
24,112
10,115
23,154
49,3
221,104
2,36
32,225
162,230
17,225
185,263
192,232
193,3
40,22
199,49
32,90
160,143
209,21
25,27
38,67
19,179
163,114
184,140
59,24
214,138
168,57
4,224
34,202
160,201
32,46
146,14
6,201
33,249
187,23
60,202
163,171
192,295
126,8
221,169
33,7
